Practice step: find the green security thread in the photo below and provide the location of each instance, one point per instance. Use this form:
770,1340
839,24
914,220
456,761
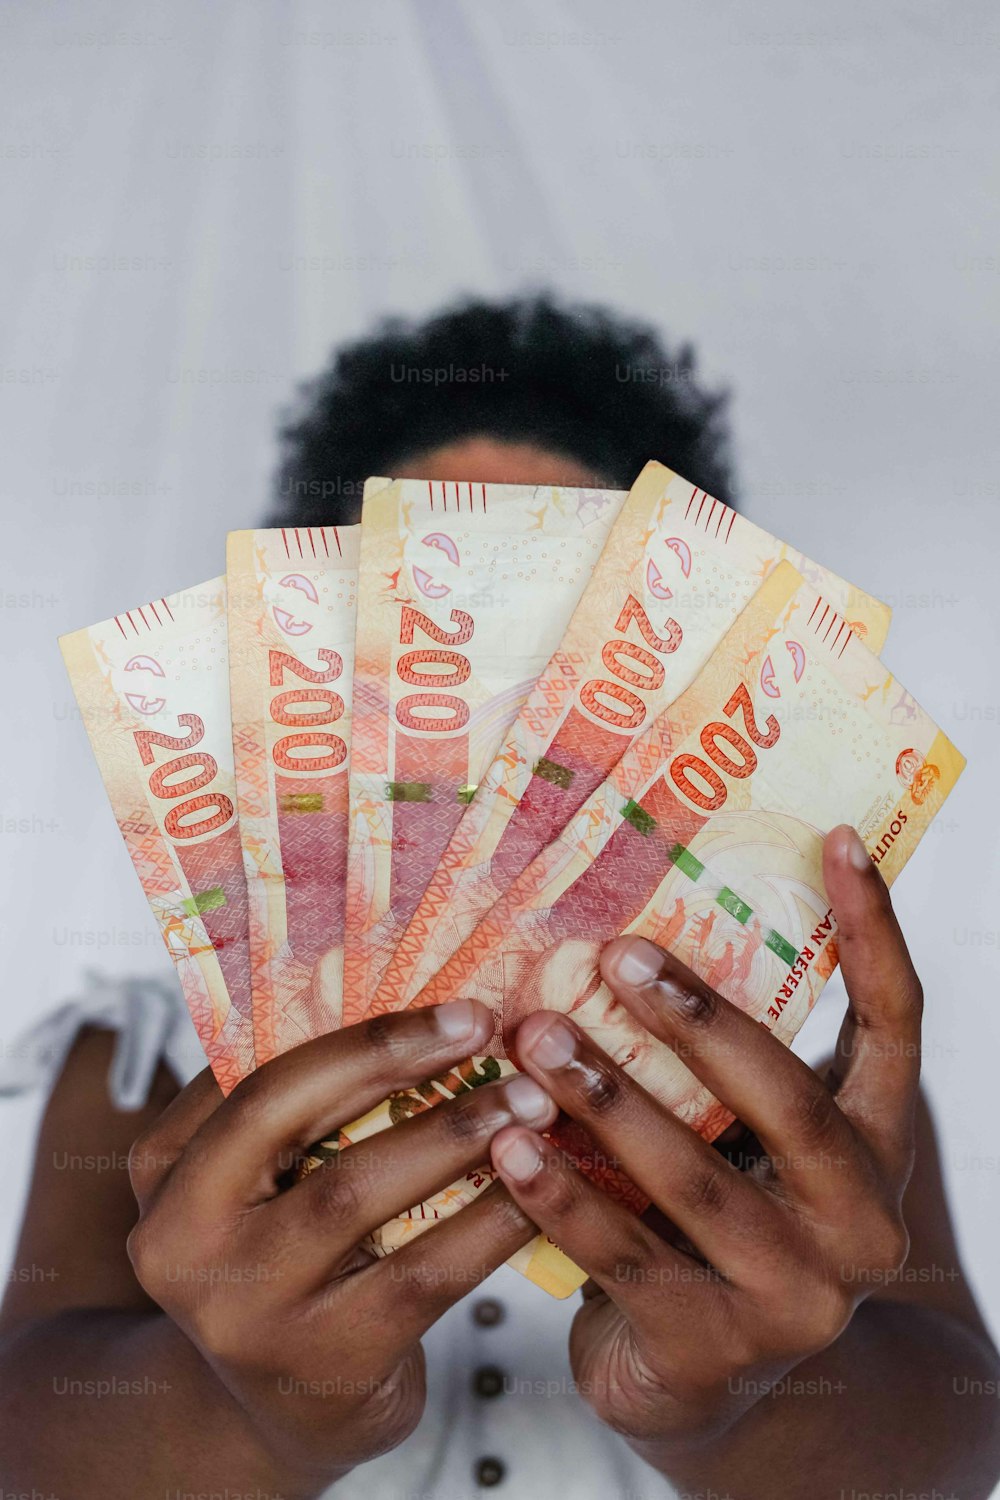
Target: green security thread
408,791
642,821
782,947
693,868
686,862
422,791
209,900
550,770
733,904
296,802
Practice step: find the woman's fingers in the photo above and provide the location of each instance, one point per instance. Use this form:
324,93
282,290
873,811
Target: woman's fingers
725,1212
442,1264
240,1153
878,1052
644,1276
326,1215
155,1151
785,1104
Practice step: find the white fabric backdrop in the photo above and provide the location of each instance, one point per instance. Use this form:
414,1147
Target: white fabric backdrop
200,199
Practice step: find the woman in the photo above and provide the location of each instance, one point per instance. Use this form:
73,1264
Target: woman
790,1318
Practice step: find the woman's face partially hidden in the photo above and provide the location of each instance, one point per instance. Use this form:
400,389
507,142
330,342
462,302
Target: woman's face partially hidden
487,460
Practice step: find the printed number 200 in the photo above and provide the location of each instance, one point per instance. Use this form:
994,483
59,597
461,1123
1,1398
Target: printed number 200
452,711
712,794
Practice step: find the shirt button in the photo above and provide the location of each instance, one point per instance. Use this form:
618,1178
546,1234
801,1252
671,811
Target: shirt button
488,1380
488,1312
490,1472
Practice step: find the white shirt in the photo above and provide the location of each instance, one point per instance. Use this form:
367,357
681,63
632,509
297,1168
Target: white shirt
535,1439
502,1413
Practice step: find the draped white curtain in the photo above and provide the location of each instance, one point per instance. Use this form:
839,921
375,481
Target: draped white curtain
200,199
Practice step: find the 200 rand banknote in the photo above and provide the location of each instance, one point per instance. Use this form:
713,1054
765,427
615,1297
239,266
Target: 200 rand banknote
153,689
292,598
677,569
707,838
464,592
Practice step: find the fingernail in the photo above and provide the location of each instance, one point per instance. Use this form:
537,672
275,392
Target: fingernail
639,963
528,1100
856,851
553,1047
456,1019
518,1156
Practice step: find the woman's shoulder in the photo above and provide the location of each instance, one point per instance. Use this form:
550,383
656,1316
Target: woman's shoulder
151,1026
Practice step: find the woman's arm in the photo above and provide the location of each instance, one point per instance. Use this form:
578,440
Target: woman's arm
94,1375
784,1339
904,1401
284,1355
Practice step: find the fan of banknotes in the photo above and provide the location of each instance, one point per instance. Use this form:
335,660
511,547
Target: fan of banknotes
455,749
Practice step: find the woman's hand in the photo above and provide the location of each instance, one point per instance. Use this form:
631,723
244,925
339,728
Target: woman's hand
318,1342
675,1341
